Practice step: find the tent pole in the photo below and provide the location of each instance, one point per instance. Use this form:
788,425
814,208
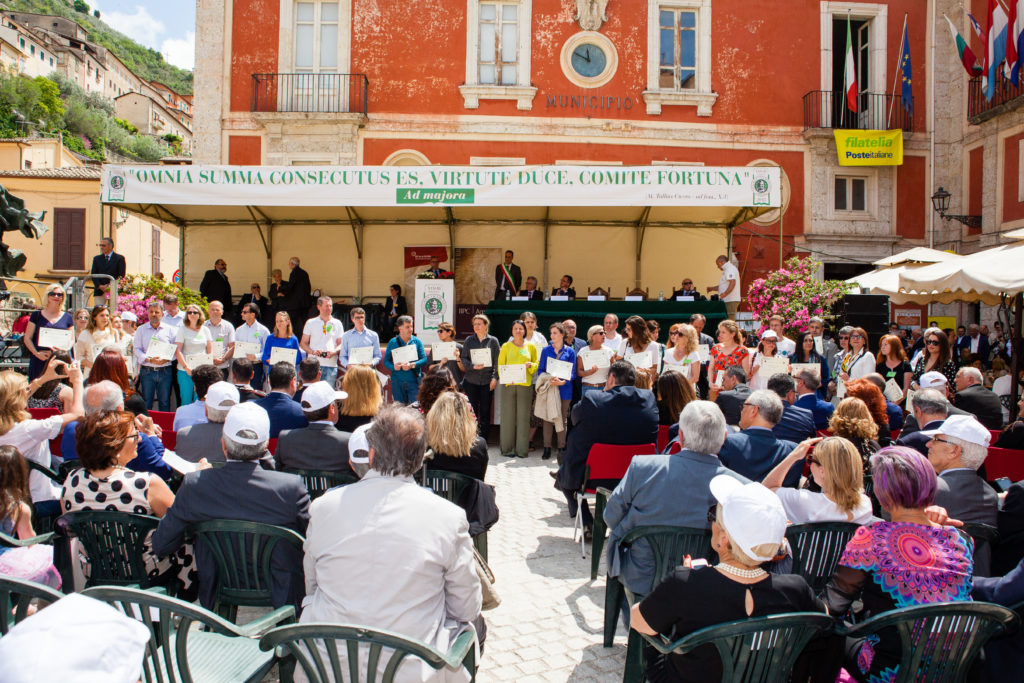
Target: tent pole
641,230
780,238
356,224
547,248
1015,341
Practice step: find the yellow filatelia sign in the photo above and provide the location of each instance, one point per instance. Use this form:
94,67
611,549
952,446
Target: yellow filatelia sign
869,147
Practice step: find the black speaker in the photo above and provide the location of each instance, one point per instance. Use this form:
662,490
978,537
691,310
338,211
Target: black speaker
870,311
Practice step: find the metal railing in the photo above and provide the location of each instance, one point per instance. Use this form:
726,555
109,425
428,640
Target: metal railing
310,93
827,109
1006,96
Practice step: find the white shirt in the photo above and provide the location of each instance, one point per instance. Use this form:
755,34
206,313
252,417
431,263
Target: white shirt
612,342
324,336
729,272
174,320
974,343
32,438
601,376
804,507
786,347
192,341
252,333
224,332
670,361
148,333
653,350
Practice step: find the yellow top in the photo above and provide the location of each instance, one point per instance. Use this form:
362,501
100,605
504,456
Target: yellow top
511,354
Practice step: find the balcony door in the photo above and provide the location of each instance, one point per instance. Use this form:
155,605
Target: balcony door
868,110
316,85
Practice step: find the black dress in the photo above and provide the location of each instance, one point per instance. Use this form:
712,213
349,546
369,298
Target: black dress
349,423
472,465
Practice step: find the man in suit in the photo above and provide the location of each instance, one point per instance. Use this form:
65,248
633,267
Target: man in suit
394,308
807,384
202,440
688,289
666,489
829,349
972,396
434,267
508,277
255,296
241,490
531,292
283,411
956,449
735,391
796,423
320,446
299,296
930,409
565,288
106,263
621,414
216,286
974,343
755,450
930,380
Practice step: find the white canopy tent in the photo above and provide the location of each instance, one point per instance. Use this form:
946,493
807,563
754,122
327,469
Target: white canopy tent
885,279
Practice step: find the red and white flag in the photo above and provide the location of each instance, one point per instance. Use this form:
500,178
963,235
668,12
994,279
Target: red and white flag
850,74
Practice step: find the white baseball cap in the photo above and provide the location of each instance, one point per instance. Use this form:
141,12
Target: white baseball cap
128,315
932,380
248,424
752,516
769,334
357,442
320,395
963,427
222,395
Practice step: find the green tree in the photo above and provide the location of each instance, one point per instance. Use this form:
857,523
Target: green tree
81,6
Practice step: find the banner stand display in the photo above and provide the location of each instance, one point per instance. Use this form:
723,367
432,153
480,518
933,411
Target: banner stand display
435,303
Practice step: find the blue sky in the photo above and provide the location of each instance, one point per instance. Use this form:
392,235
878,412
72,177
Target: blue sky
165,25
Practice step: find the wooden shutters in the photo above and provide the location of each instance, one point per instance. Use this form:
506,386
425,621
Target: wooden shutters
69,239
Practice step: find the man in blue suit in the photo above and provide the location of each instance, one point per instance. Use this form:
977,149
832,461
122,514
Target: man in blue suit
807,384
796,424
755,450
284,412
621,414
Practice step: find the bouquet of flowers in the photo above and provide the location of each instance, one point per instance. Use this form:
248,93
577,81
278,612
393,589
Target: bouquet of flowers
796,293
428,275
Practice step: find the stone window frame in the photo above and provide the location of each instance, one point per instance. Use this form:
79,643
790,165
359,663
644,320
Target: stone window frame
522,92
402,157
286,36
701,97
870,176
878,15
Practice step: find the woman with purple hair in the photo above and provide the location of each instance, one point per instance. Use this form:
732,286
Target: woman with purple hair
910,560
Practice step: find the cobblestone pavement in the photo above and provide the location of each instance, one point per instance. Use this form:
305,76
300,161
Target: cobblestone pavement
549,624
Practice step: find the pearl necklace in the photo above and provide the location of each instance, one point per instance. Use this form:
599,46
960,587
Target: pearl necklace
741,573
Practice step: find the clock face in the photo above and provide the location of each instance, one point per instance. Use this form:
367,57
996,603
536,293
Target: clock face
589,60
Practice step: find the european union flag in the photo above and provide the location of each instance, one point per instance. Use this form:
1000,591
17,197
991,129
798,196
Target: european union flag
906,72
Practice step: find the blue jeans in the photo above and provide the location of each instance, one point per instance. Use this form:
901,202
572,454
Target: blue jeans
329,374
404,391
156,381
186,389
590,387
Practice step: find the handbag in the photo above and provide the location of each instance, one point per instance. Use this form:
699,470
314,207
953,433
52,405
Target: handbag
491,599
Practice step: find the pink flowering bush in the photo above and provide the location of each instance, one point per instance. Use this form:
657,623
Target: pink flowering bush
794,292
135,292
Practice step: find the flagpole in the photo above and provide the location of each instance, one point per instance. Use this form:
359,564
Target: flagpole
899,70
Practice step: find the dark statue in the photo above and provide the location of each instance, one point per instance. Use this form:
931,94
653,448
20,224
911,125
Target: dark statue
14,217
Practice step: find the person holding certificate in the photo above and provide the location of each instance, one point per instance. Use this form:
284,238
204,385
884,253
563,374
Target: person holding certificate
405,358
359,337
480,359
447,353
191,339
594,361
859,362
638,347
559,361
99,333
49,317
284,339
517,361
321,339
767,355
807,352
250,337
681,352
727,352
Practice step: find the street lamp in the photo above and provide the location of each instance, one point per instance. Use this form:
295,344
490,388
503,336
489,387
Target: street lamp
940,202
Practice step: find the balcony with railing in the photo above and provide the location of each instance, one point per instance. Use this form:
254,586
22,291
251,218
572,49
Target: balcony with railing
1006,97
875,111
310,93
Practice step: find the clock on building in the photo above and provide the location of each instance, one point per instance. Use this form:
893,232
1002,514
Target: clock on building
589,59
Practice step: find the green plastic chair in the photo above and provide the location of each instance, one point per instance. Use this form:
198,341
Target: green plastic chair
817,549
761,650
669,544
114,543
242,552
40,522
452,486
939,642
319,482
188,643
15,597
386,649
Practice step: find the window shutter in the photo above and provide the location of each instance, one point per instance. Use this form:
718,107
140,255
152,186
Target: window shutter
69,239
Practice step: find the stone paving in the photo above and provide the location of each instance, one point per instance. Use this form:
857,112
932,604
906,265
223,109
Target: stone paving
549,624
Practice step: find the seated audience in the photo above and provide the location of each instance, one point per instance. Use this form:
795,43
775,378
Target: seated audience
364,398
735,391
865,390
1002,653
202,440
621,414
241,490
452,437
283,411
106,445
936,381
55,393
364,534
31,562
674,392
203,377
853,422
110,365
930,410
837,468
309,372
748,528
892,411
754,451
242,372
972,396
907,561
796,423
807,385
320,445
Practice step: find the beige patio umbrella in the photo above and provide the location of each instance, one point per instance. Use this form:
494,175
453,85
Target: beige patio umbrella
885,279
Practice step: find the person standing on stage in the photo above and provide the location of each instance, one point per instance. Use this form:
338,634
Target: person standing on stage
507,278
728,286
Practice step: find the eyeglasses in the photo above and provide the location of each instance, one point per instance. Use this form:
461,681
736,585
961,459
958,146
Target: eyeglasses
687,282
938,440
600,333
812,460
56,295
856,336
932,342
842,338
769,341
673,334
135,436
192,313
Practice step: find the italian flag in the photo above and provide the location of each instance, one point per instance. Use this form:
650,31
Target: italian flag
850,76
967,57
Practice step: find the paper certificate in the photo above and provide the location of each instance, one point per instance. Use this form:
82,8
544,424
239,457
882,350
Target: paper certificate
893,391
217,350
280,354
773,365
178,463
910,399
160,349
246,349
595,359
640,360
194,360
562,369
404,354
51,338
813,368
512,374
480,357
719,378
704,352
360,355
840,388
444,350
